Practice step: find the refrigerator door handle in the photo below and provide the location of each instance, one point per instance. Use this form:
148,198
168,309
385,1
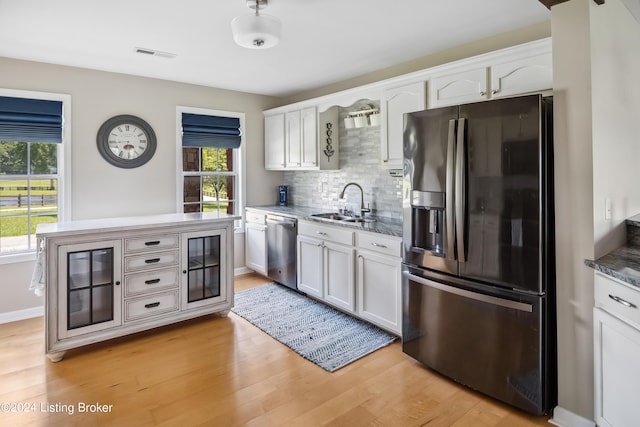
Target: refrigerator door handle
502,302
449,197
460,205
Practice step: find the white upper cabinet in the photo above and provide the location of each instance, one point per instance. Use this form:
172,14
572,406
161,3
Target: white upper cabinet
522,75
308,138
458,88
516,71
395,102
274,141
291,139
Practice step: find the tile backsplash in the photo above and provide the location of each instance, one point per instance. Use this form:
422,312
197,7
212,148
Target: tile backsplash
359,163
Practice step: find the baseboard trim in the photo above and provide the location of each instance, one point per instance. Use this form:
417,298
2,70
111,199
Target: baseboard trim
565,418
242,270
28,313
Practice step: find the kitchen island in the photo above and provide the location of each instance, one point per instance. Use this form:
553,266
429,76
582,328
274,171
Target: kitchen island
616,322
105,278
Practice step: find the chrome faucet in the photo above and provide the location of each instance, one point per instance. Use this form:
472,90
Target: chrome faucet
363,210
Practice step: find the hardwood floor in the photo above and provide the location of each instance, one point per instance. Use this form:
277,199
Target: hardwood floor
216,371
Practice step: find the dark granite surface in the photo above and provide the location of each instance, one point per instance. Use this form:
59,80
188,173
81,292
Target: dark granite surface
382,225
623,263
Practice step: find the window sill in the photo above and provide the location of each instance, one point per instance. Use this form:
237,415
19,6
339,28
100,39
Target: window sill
16,258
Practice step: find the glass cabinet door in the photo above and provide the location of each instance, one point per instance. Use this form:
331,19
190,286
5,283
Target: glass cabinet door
203,265
90,293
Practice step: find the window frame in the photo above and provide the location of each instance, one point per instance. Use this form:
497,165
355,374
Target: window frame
238,159
64,162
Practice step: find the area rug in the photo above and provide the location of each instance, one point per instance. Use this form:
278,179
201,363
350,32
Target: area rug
325,336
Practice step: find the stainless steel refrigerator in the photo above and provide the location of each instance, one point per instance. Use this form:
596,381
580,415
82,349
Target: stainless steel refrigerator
478,247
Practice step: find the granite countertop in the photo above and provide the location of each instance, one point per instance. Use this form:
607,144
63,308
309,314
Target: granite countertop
623,263
381,225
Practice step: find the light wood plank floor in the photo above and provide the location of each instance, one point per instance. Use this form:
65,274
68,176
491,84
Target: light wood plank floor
216,371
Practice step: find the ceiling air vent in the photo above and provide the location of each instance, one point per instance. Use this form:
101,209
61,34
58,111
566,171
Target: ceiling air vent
153,52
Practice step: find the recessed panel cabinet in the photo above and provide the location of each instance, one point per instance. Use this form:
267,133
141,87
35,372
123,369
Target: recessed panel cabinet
616,321
114,277
357,272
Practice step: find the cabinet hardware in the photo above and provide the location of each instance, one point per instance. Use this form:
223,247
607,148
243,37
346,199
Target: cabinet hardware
118,283
152,281
483,93
184,271
379,245
321,233
622,301
154,243
152,305
494,91
152,260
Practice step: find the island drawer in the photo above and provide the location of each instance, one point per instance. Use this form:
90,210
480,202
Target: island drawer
151,243
617,298
150,281
140,308
151,260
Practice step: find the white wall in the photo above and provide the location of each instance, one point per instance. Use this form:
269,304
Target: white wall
596,59
100,190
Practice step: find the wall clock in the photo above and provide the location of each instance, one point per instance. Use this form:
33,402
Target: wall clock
126,141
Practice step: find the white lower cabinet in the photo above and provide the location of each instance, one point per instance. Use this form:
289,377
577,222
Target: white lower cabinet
616,320
255,243
326,259
105,281
339,279
379,280
360,278
310,266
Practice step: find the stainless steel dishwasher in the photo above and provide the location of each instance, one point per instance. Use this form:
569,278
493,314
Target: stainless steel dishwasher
281,250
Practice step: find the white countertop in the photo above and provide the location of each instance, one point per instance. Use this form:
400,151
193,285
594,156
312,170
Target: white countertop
123,223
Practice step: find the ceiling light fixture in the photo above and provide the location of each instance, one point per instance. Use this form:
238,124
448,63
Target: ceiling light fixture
255,31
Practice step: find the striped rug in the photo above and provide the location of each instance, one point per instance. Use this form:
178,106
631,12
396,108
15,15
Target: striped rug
321,334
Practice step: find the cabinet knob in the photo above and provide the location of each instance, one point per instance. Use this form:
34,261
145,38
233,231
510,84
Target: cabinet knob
118,283
184,271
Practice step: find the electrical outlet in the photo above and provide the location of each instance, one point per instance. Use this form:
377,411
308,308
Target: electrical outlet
607,209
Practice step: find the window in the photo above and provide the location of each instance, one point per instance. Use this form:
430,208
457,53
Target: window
210,144
31,166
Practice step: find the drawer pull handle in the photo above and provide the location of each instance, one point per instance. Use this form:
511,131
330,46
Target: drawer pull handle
379,245
321,233
152,305
154,243
622,301
152,281
152,260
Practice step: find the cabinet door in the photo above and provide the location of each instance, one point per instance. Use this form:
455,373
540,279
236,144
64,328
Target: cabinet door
521,76
293,140
617,372
256,247
339,277
379,288
309,135
274,141
458,88
310,262
396,102
204,260
89,287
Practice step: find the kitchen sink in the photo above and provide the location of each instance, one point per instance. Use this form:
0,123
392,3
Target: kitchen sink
338,217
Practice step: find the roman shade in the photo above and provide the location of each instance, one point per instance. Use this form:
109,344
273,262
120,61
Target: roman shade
210,131
30,120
